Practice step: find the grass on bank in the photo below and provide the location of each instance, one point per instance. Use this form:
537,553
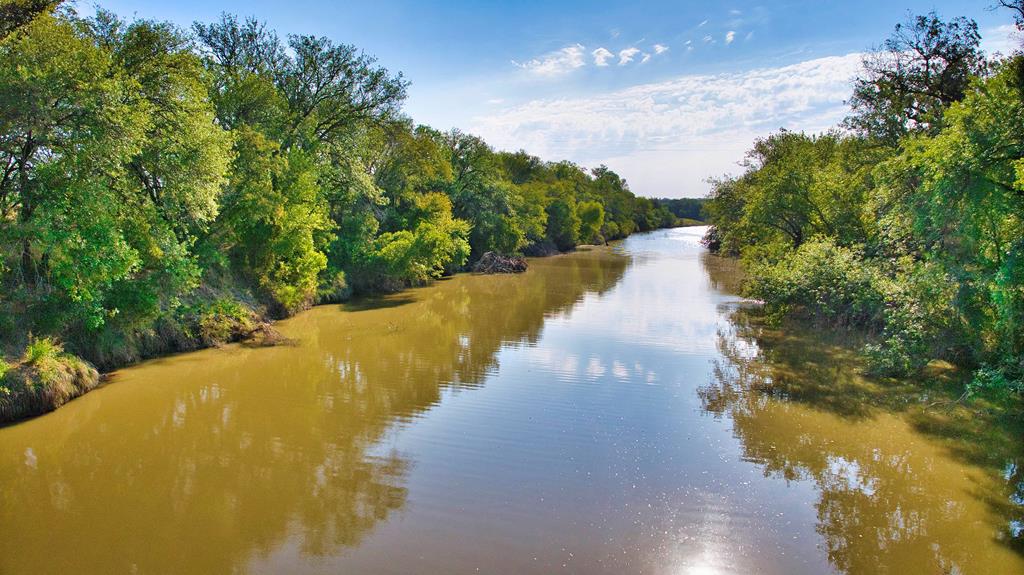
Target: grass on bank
43,379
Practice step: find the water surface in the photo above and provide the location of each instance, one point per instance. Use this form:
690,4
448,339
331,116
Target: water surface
610,411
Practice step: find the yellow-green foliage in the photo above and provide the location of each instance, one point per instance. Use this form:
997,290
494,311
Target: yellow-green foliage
223,321
39,350
591,219
4,369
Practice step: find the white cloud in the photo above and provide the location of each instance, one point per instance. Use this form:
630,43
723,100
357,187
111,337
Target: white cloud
601,56
669,136
1004,39
626,56
645,58
708,38
701,25
496,101
660,48
730,36
555,63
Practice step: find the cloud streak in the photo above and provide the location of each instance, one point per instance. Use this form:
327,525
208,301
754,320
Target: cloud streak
626,56
601,56
671,135
555,63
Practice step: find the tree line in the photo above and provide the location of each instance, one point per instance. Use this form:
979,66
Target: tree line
905,222
163,188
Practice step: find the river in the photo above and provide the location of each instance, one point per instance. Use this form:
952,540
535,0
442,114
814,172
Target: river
615,410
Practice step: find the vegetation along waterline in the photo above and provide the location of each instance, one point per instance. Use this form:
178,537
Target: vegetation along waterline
905,223
168,189
282,309
619,403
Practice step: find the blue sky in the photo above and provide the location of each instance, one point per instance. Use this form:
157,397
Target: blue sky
666,93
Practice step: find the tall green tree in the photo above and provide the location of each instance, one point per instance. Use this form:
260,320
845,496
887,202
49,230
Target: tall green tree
17,13
67,128
926,65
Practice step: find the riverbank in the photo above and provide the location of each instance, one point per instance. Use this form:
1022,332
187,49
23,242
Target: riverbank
189,221
213,318
610,404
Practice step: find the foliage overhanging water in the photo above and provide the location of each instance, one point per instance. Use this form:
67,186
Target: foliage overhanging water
609,411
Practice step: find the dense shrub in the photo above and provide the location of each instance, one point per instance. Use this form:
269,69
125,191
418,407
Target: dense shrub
821,281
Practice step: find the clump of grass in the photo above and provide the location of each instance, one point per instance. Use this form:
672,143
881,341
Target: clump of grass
5,368
225,320
40,349
45,379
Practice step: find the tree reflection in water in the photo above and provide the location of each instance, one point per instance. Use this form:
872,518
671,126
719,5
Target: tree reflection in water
213,461
887,459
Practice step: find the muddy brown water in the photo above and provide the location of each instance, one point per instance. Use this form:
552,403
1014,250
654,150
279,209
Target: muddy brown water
609,411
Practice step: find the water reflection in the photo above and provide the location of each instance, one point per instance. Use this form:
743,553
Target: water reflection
890,496
218,461
561,420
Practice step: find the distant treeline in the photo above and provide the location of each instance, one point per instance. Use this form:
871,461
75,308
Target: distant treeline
684,208
906,222
163,189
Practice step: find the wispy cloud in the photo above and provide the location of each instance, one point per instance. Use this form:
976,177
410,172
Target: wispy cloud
601,56
626,56
730,36
671,135
660,48
1003,39
702,24
645,58
555,63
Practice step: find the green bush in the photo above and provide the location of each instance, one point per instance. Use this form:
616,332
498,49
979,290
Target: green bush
920,319
1008,377
39,350
820,281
